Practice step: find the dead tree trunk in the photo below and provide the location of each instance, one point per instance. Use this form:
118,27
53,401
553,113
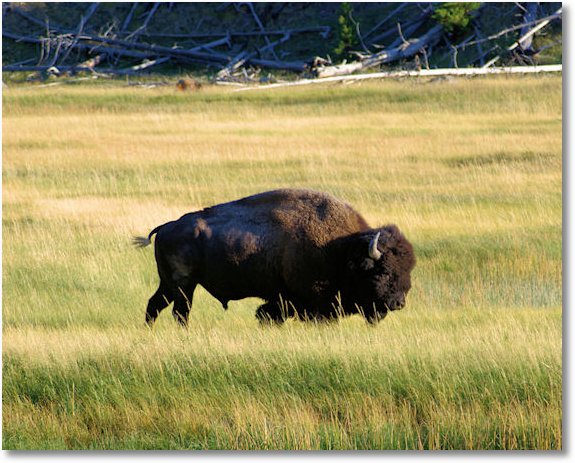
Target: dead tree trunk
83,21
530,15
128,19
143,27
524,37
386,56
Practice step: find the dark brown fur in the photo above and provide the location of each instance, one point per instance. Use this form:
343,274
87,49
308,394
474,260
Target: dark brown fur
299,250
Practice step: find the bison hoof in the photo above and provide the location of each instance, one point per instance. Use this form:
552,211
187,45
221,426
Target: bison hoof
182,321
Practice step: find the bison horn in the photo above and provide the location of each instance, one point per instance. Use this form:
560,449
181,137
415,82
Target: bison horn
373,251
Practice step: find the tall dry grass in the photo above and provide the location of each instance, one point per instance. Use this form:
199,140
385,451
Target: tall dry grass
469,170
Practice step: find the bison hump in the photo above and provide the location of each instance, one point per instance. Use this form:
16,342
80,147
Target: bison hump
317,217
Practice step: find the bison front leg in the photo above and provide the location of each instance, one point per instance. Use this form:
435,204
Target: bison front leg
158,302
183,305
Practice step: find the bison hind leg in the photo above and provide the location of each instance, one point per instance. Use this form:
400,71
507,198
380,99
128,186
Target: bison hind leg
274,312
158,302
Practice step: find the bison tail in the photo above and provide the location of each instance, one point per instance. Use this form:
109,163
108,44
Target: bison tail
142,241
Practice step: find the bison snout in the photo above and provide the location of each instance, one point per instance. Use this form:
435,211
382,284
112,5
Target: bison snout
397,303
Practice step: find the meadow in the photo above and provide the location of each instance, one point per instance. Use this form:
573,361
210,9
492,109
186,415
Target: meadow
471,172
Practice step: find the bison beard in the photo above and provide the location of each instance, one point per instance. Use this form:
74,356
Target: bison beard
305,253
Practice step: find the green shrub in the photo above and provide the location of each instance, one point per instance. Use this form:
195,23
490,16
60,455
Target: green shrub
455,17
347,38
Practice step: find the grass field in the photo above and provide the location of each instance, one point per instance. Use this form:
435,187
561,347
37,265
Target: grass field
470,170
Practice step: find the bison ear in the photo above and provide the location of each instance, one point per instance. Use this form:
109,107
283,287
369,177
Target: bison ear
374,253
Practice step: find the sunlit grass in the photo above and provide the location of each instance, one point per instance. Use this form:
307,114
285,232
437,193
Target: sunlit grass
469,170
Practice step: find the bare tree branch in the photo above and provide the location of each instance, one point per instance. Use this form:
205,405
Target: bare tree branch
524,37
146,22
382,57
83,21
128,19
546,20
384,20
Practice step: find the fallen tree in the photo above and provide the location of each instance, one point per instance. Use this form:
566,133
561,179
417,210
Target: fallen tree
526,37
241,55
146,51
412,73
405,50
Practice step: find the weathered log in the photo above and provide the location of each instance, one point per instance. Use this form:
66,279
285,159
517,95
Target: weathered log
414,73
83,21
524,37
545,20
297,66
233,65
224,41
322,30
59,42
60,69
212,57
244,57
134,70
262,28
530,15
83,46
158,49
386,56
127,48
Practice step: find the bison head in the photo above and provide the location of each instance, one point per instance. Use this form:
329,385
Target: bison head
378,272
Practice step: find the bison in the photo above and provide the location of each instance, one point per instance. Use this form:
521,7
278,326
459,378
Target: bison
305,253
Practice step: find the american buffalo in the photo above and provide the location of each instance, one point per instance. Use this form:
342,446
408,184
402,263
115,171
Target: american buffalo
305,253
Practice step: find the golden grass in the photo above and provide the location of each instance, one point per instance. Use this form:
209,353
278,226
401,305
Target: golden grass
470,171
